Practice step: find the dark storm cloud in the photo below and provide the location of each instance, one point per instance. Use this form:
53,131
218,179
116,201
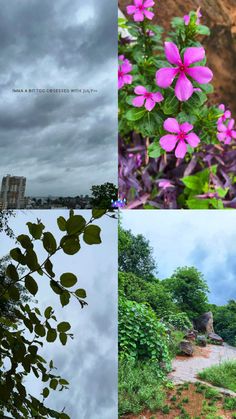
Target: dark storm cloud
59,45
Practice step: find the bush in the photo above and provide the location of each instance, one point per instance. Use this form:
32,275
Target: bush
142,336
180,321
222,375
140,387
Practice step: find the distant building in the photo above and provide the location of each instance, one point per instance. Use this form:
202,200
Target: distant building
13,192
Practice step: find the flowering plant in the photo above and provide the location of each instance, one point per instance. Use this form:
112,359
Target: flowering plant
176,148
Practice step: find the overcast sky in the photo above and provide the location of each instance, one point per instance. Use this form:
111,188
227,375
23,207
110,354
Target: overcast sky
89,362
63,143
204,239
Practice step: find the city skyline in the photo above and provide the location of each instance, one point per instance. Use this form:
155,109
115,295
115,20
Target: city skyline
63,142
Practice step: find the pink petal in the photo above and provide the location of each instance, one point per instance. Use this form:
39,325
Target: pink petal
231,124
193,55
121,57
172,53
149,15
140,90
222,127
131,10
148,3
171,125
149,105
222,107
138,17
227,115
233,133
138,2
193,139
120,82
168,142
128,79
157,97
228,139
186,127
183,88
138,101
126,67
165,76
186,19
221,136
181,150
202,75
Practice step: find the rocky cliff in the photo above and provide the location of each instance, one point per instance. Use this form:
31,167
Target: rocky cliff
220,16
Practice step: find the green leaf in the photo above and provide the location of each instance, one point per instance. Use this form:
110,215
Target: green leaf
56,287
48,266
53,383
68,280
70,245
155,150
12,273
51,335
203,30
61,222
63,338
135,114
63,382
31,260
170,105
194,203
193,183
49,243
31,285
92,235
81,293
48,312
63,327
40,330
65,298
98,213
75,224
17,255
45,392
35,230
25,241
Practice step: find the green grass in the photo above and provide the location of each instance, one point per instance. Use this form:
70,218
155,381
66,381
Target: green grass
140,388
222,375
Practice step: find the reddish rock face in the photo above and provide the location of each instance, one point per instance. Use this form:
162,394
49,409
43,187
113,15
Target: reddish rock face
220,16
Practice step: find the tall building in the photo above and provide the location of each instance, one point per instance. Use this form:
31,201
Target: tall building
13,192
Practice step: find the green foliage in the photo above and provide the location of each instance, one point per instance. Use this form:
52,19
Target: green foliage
136,255
21,350
230,403
140,387
222,375
102,195
179,321
141,335
189,291
225,321
137,289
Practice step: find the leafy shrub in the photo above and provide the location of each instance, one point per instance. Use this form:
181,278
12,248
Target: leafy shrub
142,336
222,375
180,321
140,387
230,403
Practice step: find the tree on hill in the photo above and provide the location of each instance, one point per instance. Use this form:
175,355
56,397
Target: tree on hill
189,291
102,195
136,255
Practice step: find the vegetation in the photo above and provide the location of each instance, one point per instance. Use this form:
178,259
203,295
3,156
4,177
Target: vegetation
24,329
102,195
222,375
225,321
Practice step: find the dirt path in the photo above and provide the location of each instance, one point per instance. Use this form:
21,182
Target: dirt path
187,368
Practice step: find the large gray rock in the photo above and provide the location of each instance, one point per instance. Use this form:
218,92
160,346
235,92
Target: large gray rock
204,323
202,341
186,348
215,338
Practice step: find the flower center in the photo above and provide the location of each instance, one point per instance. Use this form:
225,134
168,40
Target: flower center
148,95
229,133
120,73
181,136
182,68
141,8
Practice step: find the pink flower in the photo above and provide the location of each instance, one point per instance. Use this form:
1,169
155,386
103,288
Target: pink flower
180,138
140,10
186,19
150,99
183,88
165,183
226,132
150,33
227,114
123,72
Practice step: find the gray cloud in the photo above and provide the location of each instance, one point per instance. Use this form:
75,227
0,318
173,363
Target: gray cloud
59,45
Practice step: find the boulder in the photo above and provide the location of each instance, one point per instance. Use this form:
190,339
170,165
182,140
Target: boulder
204,323
215,338
202,341
220,16
186,348
190,335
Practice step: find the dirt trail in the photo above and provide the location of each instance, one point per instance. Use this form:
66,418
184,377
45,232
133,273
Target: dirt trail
187,368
